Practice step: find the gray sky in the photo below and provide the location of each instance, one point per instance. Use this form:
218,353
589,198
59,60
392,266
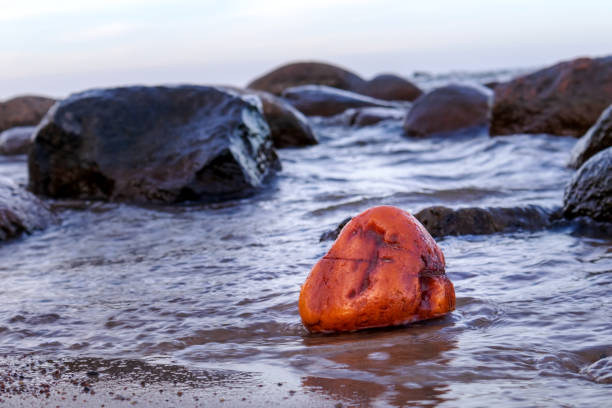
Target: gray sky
58,47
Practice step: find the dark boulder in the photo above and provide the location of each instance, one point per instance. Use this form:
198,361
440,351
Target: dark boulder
443,221
370,116
452,108
23,111
589,193
288,126
152,144
318,100
20,211
596,139
565,99
306,73
16,140
390,87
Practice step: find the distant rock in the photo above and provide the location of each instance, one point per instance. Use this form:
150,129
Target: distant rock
452,108
152,144
307,73
16,140
318,100
20,211
390,87
596,139
370,116
565,99
589,193
23,111
443,221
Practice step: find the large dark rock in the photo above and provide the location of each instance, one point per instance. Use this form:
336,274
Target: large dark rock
288,126
589,193
16,140
23,111
390,87
596,139
306,73
565,99
442,221
448,109
20,211
318,100
152,144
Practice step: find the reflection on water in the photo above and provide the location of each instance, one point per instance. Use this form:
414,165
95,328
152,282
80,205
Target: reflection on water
214,288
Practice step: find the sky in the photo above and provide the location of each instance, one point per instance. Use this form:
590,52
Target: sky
58,47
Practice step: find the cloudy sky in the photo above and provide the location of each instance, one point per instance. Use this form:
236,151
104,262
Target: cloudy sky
57,47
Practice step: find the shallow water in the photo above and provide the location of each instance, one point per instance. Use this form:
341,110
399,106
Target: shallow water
215,287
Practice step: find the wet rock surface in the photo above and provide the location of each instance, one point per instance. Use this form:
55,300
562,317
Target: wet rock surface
589,192
152,144
20,211
390,87
318,100
23,111
448,109
306,73
383,270
565,99
16,140
288,126
596,139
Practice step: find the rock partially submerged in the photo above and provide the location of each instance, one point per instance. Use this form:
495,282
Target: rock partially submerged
449,109
565,99
20,211
288,126
307,73
441,221
596,139
318,100
23,111
589,193
152,144
16,140
390,87
383,270
370,116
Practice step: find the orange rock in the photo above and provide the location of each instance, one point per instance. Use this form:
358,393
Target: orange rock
383,270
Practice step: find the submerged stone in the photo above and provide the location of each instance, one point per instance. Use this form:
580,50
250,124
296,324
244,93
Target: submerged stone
383,270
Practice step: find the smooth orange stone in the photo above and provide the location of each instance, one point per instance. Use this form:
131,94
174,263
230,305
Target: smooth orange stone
383,270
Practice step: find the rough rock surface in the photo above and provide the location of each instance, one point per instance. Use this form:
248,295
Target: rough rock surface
152,144
23,111
306,73
16,140
452,108
383,270
596,139
318,100
390,87
565,99
589,193
20,211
